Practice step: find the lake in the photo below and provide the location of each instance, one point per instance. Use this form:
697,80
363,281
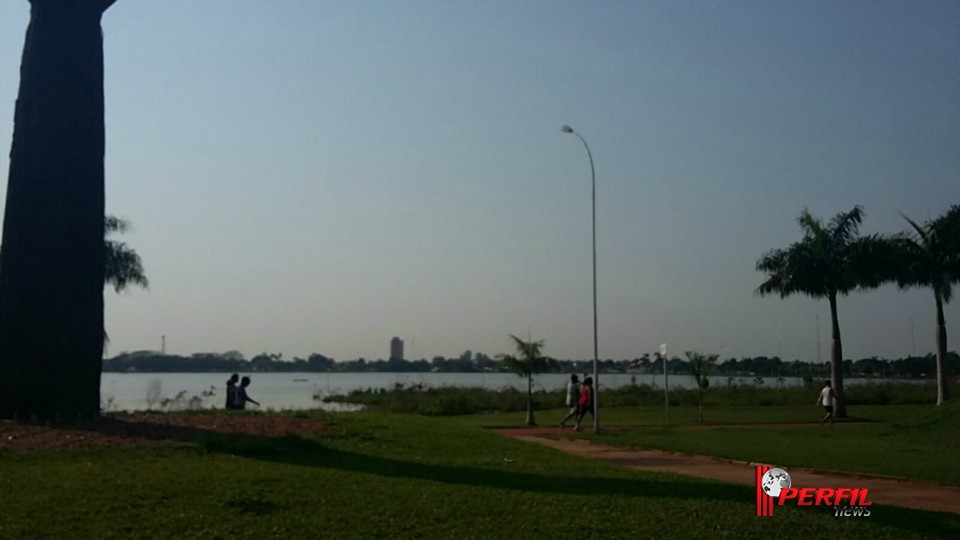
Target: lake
141,391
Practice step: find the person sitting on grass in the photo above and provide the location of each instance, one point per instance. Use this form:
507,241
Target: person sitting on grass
242,397
585,402
573,399
827,398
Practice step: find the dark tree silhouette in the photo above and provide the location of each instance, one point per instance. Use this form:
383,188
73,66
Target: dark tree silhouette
52,270
929,258
122,266
701,367
830,260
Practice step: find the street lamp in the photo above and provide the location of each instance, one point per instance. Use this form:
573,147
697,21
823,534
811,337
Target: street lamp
596,377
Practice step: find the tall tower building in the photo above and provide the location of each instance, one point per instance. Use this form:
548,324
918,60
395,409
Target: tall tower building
396,348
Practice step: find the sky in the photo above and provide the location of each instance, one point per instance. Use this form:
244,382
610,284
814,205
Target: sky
322,176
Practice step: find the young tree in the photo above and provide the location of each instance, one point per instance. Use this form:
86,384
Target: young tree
52,271
526,363
929,258
831,260
701,367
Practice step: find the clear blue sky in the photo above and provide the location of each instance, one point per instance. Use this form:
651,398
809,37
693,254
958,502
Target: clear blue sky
321,176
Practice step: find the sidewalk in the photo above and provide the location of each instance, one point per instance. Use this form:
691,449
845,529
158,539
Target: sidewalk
883,491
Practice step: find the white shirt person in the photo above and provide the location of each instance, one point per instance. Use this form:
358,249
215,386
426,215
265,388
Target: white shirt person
828,399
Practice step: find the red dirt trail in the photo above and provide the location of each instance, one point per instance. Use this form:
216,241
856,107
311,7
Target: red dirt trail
136,429
883,491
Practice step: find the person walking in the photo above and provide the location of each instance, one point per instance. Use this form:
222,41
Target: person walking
242,397
827,399
586,401
232,391
573,399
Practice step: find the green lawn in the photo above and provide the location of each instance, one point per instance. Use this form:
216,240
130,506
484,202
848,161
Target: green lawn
387,475
688,415
911,441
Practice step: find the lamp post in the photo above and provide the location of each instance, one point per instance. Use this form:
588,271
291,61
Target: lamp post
593,185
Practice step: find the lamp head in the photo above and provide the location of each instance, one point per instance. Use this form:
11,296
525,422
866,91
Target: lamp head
566,129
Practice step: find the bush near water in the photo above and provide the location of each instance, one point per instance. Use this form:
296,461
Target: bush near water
451,401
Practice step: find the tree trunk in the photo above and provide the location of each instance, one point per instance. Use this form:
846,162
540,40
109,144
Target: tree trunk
836,362
943,388
530,420
700,404
52,266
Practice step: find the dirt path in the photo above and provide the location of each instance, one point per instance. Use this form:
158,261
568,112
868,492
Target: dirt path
132,429
889,491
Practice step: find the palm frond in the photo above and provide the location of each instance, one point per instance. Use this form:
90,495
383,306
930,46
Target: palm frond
950,220
529,360
527,349
113,224
827,261
771,261
812,227
516,366
929,256
921,231
800,268
123,267
945,236
845,225
874,260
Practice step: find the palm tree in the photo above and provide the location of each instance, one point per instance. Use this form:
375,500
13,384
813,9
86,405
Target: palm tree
701,366
829,261
929,258
52,271
527,362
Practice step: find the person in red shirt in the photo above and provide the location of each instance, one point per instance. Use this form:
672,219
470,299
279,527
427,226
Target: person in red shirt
585,402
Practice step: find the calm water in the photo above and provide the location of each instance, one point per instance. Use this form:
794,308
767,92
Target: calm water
140,391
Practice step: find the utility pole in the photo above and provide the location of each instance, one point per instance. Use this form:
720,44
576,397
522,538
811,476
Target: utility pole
666,394
913,339
818,339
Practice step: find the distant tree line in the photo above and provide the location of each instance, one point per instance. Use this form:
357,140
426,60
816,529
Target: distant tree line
468,362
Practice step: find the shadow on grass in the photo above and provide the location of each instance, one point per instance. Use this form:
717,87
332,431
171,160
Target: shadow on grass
295,450
305,452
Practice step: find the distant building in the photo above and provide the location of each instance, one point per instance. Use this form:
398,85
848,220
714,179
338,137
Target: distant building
396,348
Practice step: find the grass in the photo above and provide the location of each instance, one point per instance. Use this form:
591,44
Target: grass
381,475
653,416
453,401
918,442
